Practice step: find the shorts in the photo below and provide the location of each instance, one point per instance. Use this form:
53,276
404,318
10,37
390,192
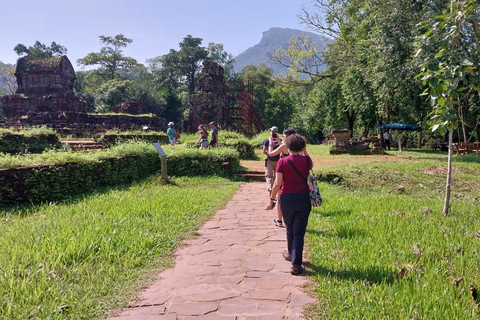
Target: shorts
204,143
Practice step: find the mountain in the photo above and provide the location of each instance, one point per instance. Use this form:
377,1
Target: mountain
272,40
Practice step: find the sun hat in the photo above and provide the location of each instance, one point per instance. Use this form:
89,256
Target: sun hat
274,129
170,124
212,123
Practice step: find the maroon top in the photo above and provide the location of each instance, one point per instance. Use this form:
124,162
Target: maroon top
292,183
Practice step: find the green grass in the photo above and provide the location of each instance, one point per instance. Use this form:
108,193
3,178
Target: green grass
92,254
378,251
378,248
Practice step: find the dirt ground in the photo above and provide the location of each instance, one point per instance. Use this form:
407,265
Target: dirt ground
326,161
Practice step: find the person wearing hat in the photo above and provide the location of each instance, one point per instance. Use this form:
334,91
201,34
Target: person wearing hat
214,140
270,165
171,133
203,139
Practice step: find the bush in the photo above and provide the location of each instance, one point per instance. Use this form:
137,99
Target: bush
28,141
55,176
185,161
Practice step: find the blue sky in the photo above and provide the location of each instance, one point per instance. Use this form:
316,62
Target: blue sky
156,26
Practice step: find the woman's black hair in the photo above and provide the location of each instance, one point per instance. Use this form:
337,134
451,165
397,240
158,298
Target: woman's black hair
289,131
295,142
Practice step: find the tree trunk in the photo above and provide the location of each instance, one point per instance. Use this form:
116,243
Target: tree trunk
449,172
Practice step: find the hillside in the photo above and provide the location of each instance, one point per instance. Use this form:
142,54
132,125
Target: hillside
272,40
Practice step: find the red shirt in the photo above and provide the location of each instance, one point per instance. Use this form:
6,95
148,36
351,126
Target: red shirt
292,183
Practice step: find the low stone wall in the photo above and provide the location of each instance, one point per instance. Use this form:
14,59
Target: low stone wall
88,121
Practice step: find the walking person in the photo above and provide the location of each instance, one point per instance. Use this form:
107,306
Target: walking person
203,139
386,137
171,133
214,139
291,184
270,165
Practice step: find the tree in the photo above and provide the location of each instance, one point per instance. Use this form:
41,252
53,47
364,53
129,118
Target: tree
261,79
40,50
301,56
225,59
450,66
110,57
370,57
7,77
190,56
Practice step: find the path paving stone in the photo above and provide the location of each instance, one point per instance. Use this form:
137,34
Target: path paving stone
233,270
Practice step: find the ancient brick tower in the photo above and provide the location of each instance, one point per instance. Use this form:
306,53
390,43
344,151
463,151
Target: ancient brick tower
209,101
231,107
44,85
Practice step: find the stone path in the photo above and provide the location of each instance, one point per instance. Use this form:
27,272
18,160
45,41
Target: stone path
233,270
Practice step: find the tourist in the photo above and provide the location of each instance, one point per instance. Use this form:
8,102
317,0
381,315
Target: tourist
171,133
203,137
214,139
270,165
386,137
291,184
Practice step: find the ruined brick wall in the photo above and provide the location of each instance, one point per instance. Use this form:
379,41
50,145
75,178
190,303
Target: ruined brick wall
44,85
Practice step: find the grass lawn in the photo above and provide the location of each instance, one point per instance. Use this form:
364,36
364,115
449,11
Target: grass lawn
380,247
79,259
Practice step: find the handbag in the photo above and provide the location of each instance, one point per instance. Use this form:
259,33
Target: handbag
177,135
313,190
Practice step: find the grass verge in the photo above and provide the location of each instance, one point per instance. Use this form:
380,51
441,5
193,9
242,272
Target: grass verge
79,259
380,247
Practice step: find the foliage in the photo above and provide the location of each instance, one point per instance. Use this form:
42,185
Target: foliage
56,176
225,59
7,79
188,161
228,139
34,140
40,50
450,67
261,79
93,253
110,58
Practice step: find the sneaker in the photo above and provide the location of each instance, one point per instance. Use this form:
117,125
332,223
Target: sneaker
287,255
297,270
278,223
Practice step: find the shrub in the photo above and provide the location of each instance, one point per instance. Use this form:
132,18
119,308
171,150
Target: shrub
34,140
55,176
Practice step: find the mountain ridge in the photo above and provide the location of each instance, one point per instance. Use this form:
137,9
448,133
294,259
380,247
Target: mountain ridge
273,39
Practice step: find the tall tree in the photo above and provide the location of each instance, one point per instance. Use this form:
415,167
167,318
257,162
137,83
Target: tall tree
190,56
110,58
262,81
450,66
225,59
40,50
370,56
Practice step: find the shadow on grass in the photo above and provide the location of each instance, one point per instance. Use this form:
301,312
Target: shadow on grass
369,275
25,209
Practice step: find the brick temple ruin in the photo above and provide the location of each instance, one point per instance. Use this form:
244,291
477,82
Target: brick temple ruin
45,97
230,106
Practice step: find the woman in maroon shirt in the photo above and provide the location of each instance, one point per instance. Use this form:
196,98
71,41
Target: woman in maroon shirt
291,182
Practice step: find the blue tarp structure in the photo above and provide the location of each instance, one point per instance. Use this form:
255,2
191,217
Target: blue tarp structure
400,126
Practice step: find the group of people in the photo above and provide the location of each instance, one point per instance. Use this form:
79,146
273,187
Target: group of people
173,135
286,171
203,136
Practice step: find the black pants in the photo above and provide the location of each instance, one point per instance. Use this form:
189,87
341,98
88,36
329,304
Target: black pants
387,144
296,208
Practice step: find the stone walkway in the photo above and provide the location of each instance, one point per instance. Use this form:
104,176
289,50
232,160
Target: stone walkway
233,270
